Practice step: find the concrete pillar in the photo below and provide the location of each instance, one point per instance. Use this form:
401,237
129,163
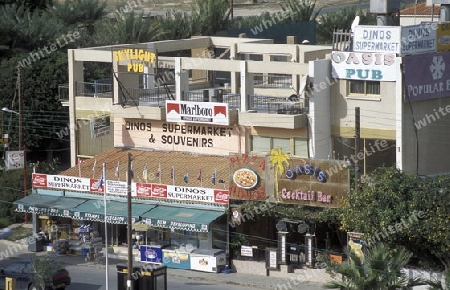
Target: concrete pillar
234,75
320,109
75,75
181,79
149,77
291,40
246,86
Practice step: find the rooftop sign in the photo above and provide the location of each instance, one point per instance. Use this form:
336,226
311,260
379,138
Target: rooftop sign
377,39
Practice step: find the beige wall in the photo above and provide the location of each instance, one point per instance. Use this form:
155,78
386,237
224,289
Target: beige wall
169,136
377,113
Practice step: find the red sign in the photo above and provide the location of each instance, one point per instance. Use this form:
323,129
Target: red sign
96,185
221,196
159,190
39,180
143,189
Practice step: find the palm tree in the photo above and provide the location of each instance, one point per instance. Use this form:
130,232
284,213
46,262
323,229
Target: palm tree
210,16
279,161
300,10
382,270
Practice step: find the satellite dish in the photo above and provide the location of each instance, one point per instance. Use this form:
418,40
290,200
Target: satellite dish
281,226
355,22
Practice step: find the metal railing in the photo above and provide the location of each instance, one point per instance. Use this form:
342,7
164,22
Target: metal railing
233,101
63,92
272,81
274,105
94,89
342,40
146,97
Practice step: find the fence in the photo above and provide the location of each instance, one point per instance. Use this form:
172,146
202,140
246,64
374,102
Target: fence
272,81
342,40
94,89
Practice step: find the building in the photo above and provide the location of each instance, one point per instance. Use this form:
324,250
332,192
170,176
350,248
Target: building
418,13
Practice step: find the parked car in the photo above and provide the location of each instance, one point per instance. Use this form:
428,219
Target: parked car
26,279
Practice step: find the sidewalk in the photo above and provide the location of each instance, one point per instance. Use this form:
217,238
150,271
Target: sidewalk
245,280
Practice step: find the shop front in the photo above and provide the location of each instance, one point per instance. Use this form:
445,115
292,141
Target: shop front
186,238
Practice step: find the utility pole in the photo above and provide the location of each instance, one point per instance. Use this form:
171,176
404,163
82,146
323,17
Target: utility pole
130,249
357,146
21,143
231,11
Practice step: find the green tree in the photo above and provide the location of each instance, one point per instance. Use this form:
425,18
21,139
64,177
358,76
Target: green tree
341,19
81,14
178,25
210,16
379,269
43,115
300,10
129,28
402,209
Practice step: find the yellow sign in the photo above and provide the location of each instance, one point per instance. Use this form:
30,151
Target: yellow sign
443,36
134,58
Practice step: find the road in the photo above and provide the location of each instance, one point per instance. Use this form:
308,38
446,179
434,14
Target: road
90,278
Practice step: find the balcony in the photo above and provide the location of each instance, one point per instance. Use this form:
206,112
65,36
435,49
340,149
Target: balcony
275,112
342,40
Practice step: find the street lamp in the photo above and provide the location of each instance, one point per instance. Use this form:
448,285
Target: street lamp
21,147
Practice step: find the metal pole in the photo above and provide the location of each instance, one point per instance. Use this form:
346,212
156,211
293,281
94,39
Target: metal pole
130,249
357,146
21,143
106,224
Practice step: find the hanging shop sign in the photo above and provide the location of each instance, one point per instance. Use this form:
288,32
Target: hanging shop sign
182,193
197,112
384,39
166,136
248,177
42,210
143,190
427,76
100,126
420,38
178,225
311,182
134,59
364,66
443,36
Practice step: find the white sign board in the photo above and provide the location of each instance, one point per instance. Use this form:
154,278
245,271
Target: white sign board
377,39
246,251
364,66
197,112
14,160
420,38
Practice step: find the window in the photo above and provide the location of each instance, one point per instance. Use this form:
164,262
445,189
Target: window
358,87
294,146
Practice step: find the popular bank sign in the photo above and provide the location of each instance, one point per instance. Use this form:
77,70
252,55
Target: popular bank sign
427,76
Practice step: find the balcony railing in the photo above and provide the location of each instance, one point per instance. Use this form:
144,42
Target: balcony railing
233,100
274,105
342,40
146,97
272,81
63,92
94,89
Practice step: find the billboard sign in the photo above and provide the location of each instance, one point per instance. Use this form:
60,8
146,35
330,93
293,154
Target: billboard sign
420,38
364,66
367,38
443,36
427,76
197,112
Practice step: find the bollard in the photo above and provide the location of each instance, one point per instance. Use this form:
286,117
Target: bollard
10,283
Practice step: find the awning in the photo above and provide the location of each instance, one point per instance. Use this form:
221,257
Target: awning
48,205
116,211
189,219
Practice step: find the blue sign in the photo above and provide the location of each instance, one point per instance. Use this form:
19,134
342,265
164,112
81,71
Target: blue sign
151,254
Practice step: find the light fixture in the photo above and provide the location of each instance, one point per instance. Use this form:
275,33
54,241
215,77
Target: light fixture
5,109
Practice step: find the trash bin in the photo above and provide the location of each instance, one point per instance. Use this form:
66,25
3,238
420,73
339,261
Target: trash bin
36,243
153,277
122,277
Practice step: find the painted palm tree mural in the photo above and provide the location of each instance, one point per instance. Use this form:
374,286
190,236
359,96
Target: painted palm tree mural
279,161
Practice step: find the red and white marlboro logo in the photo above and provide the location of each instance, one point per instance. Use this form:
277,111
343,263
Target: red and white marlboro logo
39,180
197,112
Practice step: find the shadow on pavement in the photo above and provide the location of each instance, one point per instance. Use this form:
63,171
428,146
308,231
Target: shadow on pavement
84,286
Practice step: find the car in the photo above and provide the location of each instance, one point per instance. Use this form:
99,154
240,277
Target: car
22,271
